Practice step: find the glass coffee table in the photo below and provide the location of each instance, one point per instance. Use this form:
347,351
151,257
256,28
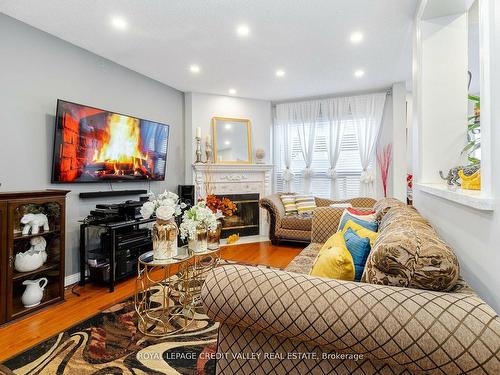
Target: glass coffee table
168,291
163,299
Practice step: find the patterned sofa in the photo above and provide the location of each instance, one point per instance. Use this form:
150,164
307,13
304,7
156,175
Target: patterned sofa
297,228
288,322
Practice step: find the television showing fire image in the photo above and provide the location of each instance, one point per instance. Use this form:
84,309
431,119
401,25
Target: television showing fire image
93,145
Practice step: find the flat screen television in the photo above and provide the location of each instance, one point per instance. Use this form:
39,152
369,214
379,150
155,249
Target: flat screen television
95,145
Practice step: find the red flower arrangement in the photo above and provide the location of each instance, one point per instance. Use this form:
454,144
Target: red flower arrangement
224,205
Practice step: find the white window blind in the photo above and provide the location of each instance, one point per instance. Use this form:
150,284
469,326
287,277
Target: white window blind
348,166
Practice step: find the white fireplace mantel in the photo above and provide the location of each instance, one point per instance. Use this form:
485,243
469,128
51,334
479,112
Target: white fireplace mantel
222,179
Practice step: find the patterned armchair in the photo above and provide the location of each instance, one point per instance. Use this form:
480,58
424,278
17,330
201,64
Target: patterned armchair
288,322
296,228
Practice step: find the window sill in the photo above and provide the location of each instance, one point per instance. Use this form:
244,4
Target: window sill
470,198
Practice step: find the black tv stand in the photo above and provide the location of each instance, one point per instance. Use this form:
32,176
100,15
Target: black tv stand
114,247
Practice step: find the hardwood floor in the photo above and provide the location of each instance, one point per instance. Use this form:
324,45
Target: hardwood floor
20,335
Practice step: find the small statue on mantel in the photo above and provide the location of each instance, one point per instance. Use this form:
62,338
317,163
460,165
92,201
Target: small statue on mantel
208,149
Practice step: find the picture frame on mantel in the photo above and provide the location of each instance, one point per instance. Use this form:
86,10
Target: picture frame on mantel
232,140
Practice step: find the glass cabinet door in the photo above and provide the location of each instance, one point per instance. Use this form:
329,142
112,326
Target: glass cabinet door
3,261
35,246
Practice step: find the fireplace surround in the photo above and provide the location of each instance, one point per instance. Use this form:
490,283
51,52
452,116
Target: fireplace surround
244,183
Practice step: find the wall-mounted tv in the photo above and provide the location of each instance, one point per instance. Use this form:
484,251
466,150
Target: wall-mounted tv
95,145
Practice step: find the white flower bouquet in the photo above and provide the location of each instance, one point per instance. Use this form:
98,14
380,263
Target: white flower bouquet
165,206
197,216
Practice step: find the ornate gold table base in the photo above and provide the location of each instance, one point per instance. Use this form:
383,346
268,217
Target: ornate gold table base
199,266
163,301
168,291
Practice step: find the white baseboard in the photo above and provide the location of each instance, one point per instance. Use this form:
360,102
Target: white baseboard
72,279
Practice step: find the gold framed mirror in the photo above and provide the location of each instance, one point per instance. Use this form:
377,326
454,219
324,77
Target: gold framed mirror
232,140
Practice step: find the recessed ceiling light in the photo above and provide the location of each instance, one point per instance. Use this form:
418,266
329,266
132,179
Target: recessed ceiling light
119,23
280,73
227,143
194,68
356,37
232,91
359,73
243,30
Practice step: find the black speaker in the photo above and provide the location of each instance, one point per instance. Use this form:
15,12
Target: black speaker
186,194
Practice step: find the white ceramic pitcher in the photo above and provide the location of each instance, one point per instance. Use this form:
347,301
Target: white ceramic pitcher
33,293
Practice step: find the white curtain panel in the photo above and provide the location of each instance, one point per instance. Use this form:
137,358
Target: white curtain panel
334,110
283,121
305,116
367,111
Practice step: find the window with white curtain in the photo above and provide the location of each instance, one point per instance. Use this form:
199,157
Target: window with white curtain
348,166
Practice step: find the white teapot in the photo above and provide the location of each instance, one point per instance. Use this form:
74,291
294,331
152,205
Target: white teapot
33,293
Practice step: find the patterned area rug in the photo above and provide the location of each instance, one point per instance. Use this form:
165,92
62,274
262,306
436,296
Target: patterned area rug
110,343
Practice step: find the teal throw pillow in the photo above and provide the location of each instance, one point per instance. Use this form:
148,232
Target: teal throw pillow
359,247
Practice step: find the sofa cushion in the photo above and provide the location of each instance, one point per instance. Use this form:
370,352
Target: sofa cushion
303,262
384,205
305,203
359,247
409,253
335,262
297,222
346,216
360,231
398,213
288,201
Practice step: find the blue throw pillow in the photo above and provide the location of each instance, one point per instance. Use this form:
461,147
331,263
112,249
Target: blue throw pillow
373,226
359,247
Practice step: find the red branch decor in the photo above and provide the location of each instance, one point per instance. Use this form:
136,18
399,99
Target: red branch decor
384,159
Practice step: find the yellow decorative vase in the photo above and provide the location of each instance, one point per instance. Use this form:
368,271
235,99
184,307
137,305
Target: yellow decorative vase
165,239
472,182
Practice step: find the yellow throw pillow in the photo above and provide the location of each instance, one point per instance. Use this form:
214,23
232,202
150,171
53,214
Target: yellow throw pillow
334,241
360,231
334,263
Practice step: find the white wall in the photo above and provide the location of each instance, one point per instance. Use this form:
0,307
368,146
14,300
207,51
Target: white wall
35,70
474,234
200,108
393,130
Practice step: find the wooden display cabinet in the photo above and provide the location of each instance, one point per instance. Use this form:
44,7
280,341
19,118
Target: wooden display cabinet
13,206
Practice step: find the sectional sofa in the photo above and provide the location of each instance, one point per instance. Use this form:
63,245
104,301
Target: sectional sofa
286,321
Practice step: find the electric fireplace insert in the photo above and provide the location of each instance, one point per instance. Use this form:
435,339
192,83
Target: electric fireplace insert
95,145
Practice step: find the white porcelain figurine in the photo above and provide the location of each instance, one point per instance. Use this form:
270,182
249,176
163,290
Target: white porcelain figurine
33,258
33,293
33,222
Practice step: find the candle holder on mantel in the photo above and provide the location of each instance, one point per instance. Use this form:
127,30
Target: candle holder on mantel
198,151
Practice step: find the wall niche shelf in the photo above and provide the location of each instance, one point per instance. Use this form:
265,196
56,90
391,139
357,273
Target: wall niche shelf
470,198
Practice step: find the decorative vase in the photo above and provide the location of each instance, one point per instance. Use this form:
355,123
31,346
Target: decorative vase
33,293
165,239
213,241
199,243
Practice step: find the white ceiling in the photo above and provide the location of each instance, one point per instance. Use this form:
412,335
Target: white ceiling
309,39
